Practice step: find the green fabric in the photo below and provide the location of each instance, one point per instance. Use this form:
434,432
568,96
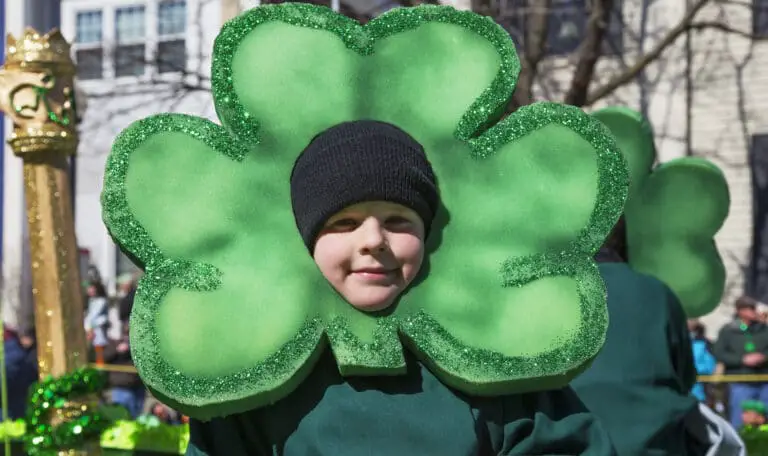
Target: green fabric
413,414
206,211
673,212
639,384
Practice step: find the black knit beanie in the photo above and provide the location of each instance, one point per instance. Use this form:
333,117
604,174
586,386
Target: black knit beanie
355,162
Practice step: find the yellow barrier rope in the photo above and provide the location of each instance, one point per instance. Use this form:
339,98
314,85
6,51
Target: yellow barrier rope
115,368
734,378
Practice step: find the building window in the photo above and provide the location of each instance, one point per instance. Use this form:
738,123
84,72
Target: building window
760,18
89,53
568,24
130,34
757,280
171,30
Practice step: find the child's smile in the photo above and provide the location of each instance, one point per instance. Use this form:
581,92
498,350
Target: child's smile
370,252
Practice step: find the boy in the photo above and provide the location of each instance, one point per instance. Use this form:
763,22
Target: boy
364,197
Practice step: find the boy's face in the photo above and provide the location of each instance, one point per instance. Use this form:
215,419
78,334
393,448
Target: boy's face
370,252
752,418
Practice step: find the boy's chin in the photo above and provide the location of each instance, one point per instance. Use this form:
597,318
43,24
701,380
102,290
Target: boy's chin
373,303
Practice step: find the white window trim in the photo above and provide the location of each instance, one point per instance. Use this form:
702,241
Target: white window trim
108,9
145,40
92,45
171,37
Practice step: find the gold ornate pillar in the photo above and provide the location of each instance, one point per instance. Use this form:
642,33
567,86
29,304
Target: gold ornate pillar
37,93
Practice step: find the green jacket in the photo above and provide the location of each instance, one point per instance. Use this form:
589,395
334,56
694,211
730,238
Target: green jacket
413,414
639,385
731,347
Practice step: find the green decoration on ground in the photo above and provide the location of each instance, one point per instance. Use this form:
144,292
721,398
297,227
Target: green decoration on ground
124,435
673,212
53,394
13,430
138,436
232,311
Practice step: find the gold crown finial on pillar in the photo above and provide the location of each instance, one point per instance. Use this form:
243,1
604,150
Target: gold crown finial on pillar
32,48
36,92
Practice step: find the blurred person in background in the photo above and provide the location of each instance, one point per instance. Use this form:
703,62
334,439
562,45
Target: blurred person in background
20,355
752,413
97,318
742,347
703,359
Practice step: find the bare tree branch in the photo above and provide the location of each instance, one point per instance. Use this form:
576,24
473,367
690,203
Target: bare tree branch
670,38
723,27
534,49
589,52
745,3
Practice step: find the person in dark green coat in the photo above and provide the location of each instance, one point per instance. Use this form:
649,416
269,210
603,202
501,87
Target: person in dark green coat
742,346
660,266
639,384
413,415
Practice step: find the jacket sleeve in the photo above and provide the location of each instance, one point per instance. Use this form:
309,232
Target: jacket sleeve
680,345
724,351
552,422
234,435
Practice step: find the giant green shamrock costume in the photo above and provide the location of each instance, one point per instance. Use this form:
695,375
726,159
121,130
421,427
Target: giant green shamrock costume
673,212
232,312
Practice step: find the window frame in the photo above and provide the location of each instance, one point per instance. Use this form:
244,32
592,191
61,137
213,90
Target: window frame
78,46
132,42
171,37
109,39
613,43
760,11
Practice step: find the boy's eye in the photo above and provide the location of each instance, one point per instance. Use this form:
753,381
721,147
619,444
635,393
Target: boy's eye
397,221
344,224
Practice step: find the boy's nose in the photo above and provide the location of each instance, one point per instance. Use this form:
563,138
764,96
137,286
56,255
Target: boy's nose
372,235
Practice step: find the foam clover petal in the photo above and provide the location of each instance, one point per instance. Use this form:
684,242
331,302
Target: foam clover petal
206,210
673,212
513,300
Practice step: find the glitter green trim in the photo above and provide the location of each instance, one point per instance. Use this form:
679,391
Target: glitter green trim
360,39
613,179
204,397
118,216
489,373
358,358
